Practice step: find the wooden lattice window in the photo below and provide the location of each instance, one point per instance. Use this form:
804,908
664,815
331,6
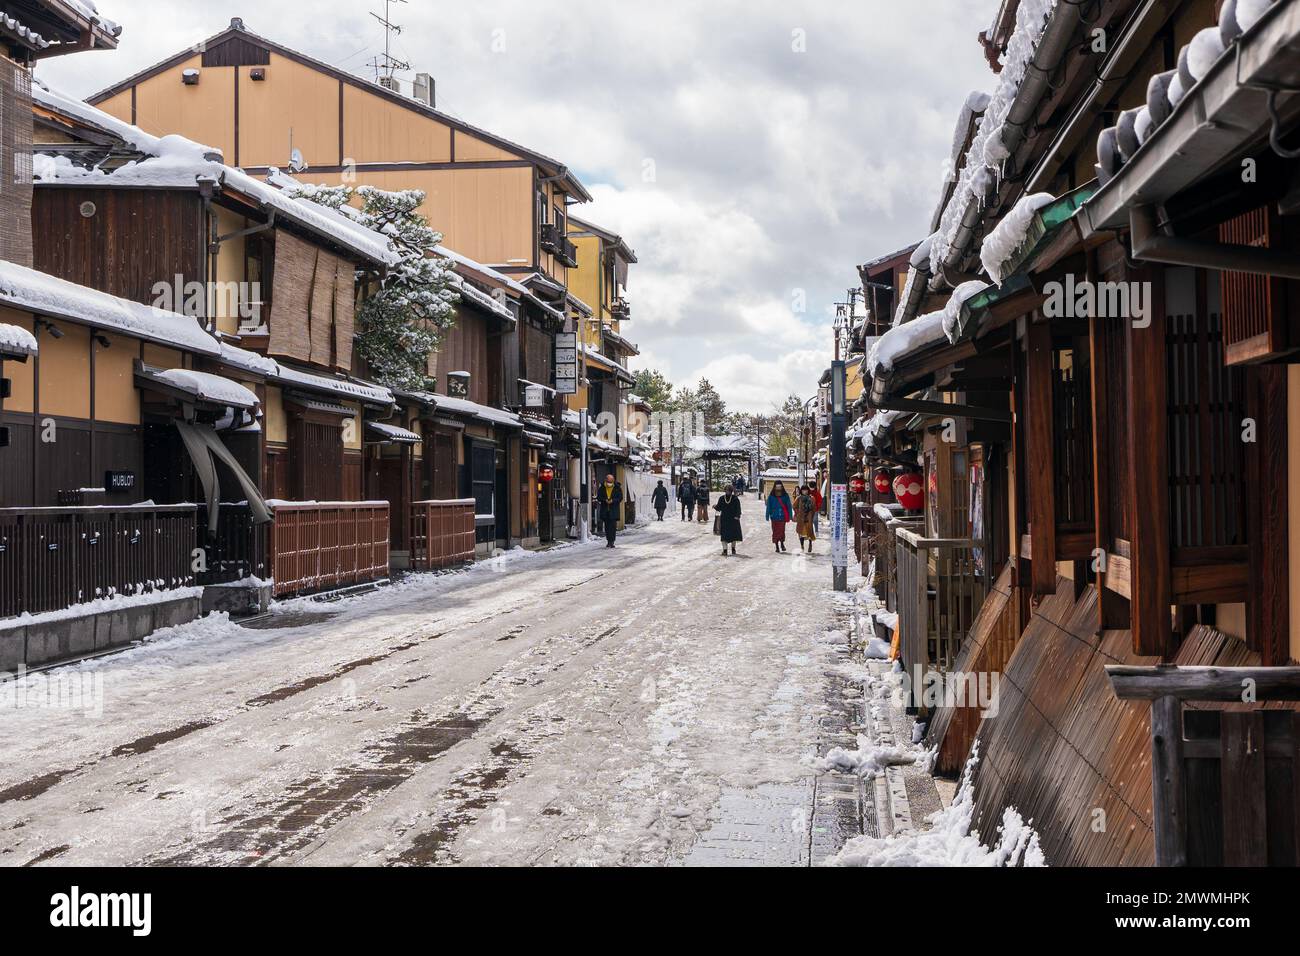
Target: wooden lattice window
1254,306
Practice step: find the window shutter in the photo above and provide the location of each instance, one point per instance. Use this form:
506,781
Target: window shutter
289,326
322,309
1254,306
344,313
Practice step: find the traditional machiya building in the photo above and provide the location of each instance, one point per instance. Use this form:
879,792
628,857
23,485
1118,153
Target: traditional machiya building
1087,406
500,207
599,289
191,339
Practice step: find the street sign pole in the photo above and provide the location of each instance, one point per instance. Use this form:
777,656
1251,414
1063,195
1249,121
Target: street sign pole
839,483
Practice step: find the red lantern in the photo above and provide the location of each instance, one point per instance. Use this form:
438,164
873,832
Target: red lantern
881,481
908,490
856,485
546,473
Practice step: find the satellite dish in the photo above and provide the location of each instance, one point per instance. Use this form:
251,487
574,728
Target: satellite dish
296,162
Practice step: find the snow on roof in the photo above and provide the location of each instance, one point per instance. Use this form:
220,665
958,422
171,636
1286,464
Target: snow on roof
249,361
904,339
208,387
480,298
487,413
952,310
15,340
173,161
394,433
987,151
23,31
1009,234
350,388
722,443
48,295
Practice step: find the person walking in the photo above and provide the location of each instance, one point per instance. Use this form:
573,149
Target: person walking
779,512
609,499
728,516
805,516
686,497
815,488
659,498
702,503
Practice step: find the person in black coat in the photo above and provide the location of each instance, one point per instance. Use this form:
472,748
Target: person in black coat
609,498
686,495
728,512
659,498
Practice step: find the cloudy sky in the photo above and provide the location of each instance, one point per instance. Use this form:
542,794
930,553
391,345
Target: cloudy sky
750,152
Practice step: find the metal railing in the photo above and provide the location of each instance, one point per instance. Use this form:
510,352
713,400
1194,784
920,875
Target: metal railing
238,549
442,533
940,590
315,546
52,558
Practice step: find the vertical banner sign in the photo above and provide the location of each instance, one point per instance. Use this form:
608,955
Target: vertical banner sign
839,526
566,363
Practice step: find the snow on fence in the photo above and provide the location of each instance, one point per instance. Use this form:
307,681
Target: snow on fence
319,545
442,533
51,558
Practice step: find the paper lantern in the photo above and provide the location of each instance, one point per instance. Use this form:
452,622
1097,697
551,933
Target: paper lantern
856,485
546,473
881,481
908,490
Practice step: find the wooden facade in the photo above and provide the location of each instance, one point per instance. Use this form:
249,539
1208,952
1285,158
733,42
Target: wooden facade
1148,460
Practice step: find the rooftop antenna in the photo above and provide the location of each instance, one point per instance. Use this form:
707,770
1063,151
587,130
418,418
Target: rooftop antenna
385,64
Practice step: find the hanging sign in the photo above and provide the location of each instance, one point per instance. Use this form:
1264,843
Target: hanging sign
534,396
566,363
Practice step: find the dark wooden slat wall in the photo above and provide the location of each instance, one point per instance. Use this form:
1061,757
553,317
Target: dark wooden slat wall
135,239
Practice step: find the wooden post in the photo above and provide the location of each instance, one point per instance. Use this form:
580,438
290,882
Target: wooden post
1150,583
1039,468
1168,792
1268,611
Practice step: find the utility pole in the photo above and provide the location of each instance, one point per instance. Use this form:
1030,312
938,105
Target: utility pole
839,482
583,490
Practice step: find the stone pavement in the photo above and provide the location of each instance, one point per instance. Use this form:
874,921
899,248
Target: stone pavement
806,822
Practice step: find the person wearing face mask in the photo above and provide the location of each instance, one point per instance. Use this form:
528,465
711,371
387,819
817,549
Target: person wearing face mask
805,509
728,518
779,511
609,499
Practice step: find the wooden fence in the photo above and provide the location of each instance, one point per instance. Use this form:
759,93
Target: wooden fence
52,558
442,533
238,549
1225,784
315,546
940,591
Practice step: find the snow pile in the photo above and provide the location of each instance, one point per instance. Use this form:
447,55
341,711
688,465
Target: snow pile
988,150
1248,12
1009,234
102,603
949,841
15,339
959,297
868,761
208,387
833,637
904,339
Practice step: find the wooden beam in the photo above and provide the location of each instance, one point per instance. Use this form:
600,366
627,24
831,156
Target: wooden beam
1040,472
1148,491
1235,684
924,407
1268,599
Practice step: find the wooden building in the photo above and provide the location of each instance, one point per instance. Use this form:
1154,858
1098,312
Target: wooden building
1089,369
501,207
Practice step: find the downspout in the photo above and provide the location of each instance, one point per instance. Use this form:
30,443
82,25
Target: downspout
1053,47
1150,244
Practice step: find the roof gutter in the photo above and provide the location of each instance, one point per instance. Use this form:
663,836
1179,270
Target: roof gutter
1150,244
1052,49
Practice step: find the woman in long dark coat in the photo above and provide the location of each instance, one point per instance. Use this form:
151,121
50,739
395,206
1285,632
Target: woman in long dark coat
728,512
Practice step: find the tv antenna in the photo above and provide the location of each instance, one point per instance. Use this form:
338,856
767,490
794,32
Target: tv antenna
385,64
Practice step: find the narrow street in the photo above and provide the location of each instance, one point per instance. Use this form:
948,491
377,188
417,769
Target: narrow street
577,706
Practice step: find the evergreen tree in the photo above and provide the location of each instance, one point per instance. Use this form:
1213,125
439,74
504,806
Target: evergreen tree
710,403
654,388
402,322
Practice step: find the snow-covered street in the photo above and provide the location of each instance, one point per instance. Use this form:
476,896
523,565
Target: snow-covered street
566,707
